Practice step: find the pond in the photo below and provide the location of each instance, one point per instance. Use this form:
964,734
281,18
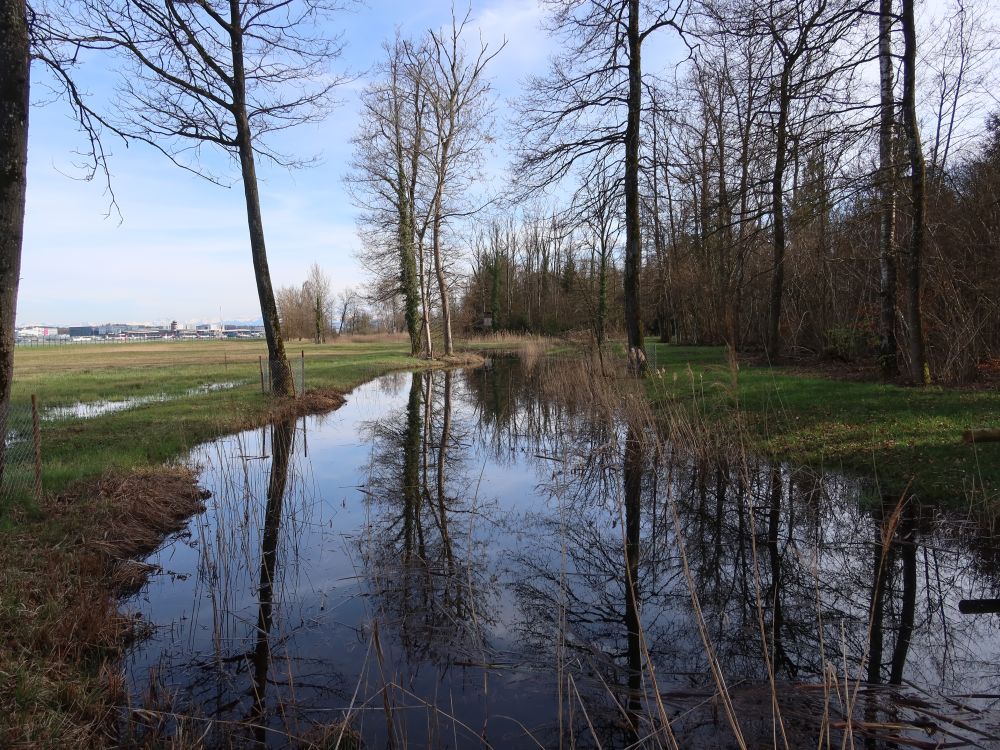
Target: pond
478,558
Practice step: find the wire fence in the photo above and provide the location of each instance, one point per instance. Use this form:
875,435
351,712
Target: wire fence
297,365
20,424
21,461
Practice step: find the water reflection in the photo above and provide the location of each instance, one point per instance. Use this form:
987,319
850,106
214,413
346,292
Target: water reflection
488,558
421,553
282,434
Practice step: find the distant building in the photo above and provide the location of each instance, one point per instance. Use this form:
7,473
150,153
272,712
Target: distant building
37,332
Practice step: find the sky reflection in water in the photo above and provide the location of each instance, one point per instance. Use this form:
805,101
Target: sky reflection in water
467,539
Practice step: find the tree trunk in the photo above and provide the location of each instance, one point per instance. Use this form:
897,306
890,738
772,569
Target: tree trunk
773,343
442,282
633,465
730,331
411,465
442,461
408,275
282,440
908,604
658,245
425,296
919,371
602,293
318,319
888,347
407,227
14,79
633,228
882,562
281,373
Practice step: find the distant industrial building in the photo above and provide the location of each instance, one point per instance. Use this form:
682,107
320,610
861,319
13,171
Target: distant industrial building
135,332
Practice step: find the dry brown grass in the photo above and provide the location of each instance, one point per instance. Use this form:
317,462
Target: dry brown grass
313,401
462,359
62,629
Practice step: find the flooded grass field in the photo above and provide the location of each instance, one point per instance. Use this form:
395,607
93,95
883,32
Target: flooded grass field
483,558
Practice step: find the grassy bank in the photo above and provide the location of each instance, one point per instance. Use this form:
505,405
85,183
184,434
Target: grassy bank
111,492
905,437
170,382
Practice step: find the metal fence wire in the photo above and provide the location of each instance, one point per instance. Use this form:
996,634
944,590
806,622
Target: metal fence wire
298,367
21,460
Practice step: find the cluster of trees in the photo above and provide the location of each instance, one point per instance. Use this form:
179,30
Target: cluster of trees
770,191
313,311
548,272
789,204
425,123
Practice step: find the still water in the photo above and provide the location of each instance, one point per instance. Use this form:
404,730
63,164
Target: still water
476,559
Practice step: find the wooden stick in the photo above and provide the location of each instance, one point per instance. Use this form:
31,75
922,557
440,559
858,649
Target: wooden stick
36,430
260,362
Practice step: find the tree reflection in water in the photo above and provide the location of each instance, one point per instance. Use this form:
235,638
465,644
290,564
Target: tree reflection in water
504,569
242,618
781,561
282,434
427,580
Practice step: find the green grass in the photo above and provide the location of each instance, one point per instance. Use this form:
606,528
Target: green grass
57,611
903,436
152,433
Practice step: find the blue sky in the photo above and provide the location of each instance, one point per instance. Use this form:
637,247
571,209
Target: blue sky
180,250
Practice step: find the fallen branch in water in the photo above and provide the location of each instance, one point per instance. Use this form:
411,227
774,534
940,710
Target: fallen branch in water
981,436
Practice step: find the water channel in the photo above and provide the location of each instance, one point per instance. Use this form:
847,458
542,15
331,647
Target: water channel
473,559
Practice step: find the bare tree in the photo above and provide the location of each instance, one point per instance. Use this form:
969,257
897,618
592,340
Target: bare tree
600,207
962,71
199,74
888,347
805,34
458,96
919,371
424,126
294,311
386,179
347,302
14,84
320,302
588,109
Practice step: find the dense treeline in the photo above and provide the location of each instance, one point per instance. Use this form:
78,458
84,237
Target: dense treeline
765,193
313,311
808,185
542,274
784,200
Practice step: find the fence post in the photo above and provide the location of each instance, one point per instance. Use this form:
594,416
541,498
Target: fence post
260,363
302,372
36,430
